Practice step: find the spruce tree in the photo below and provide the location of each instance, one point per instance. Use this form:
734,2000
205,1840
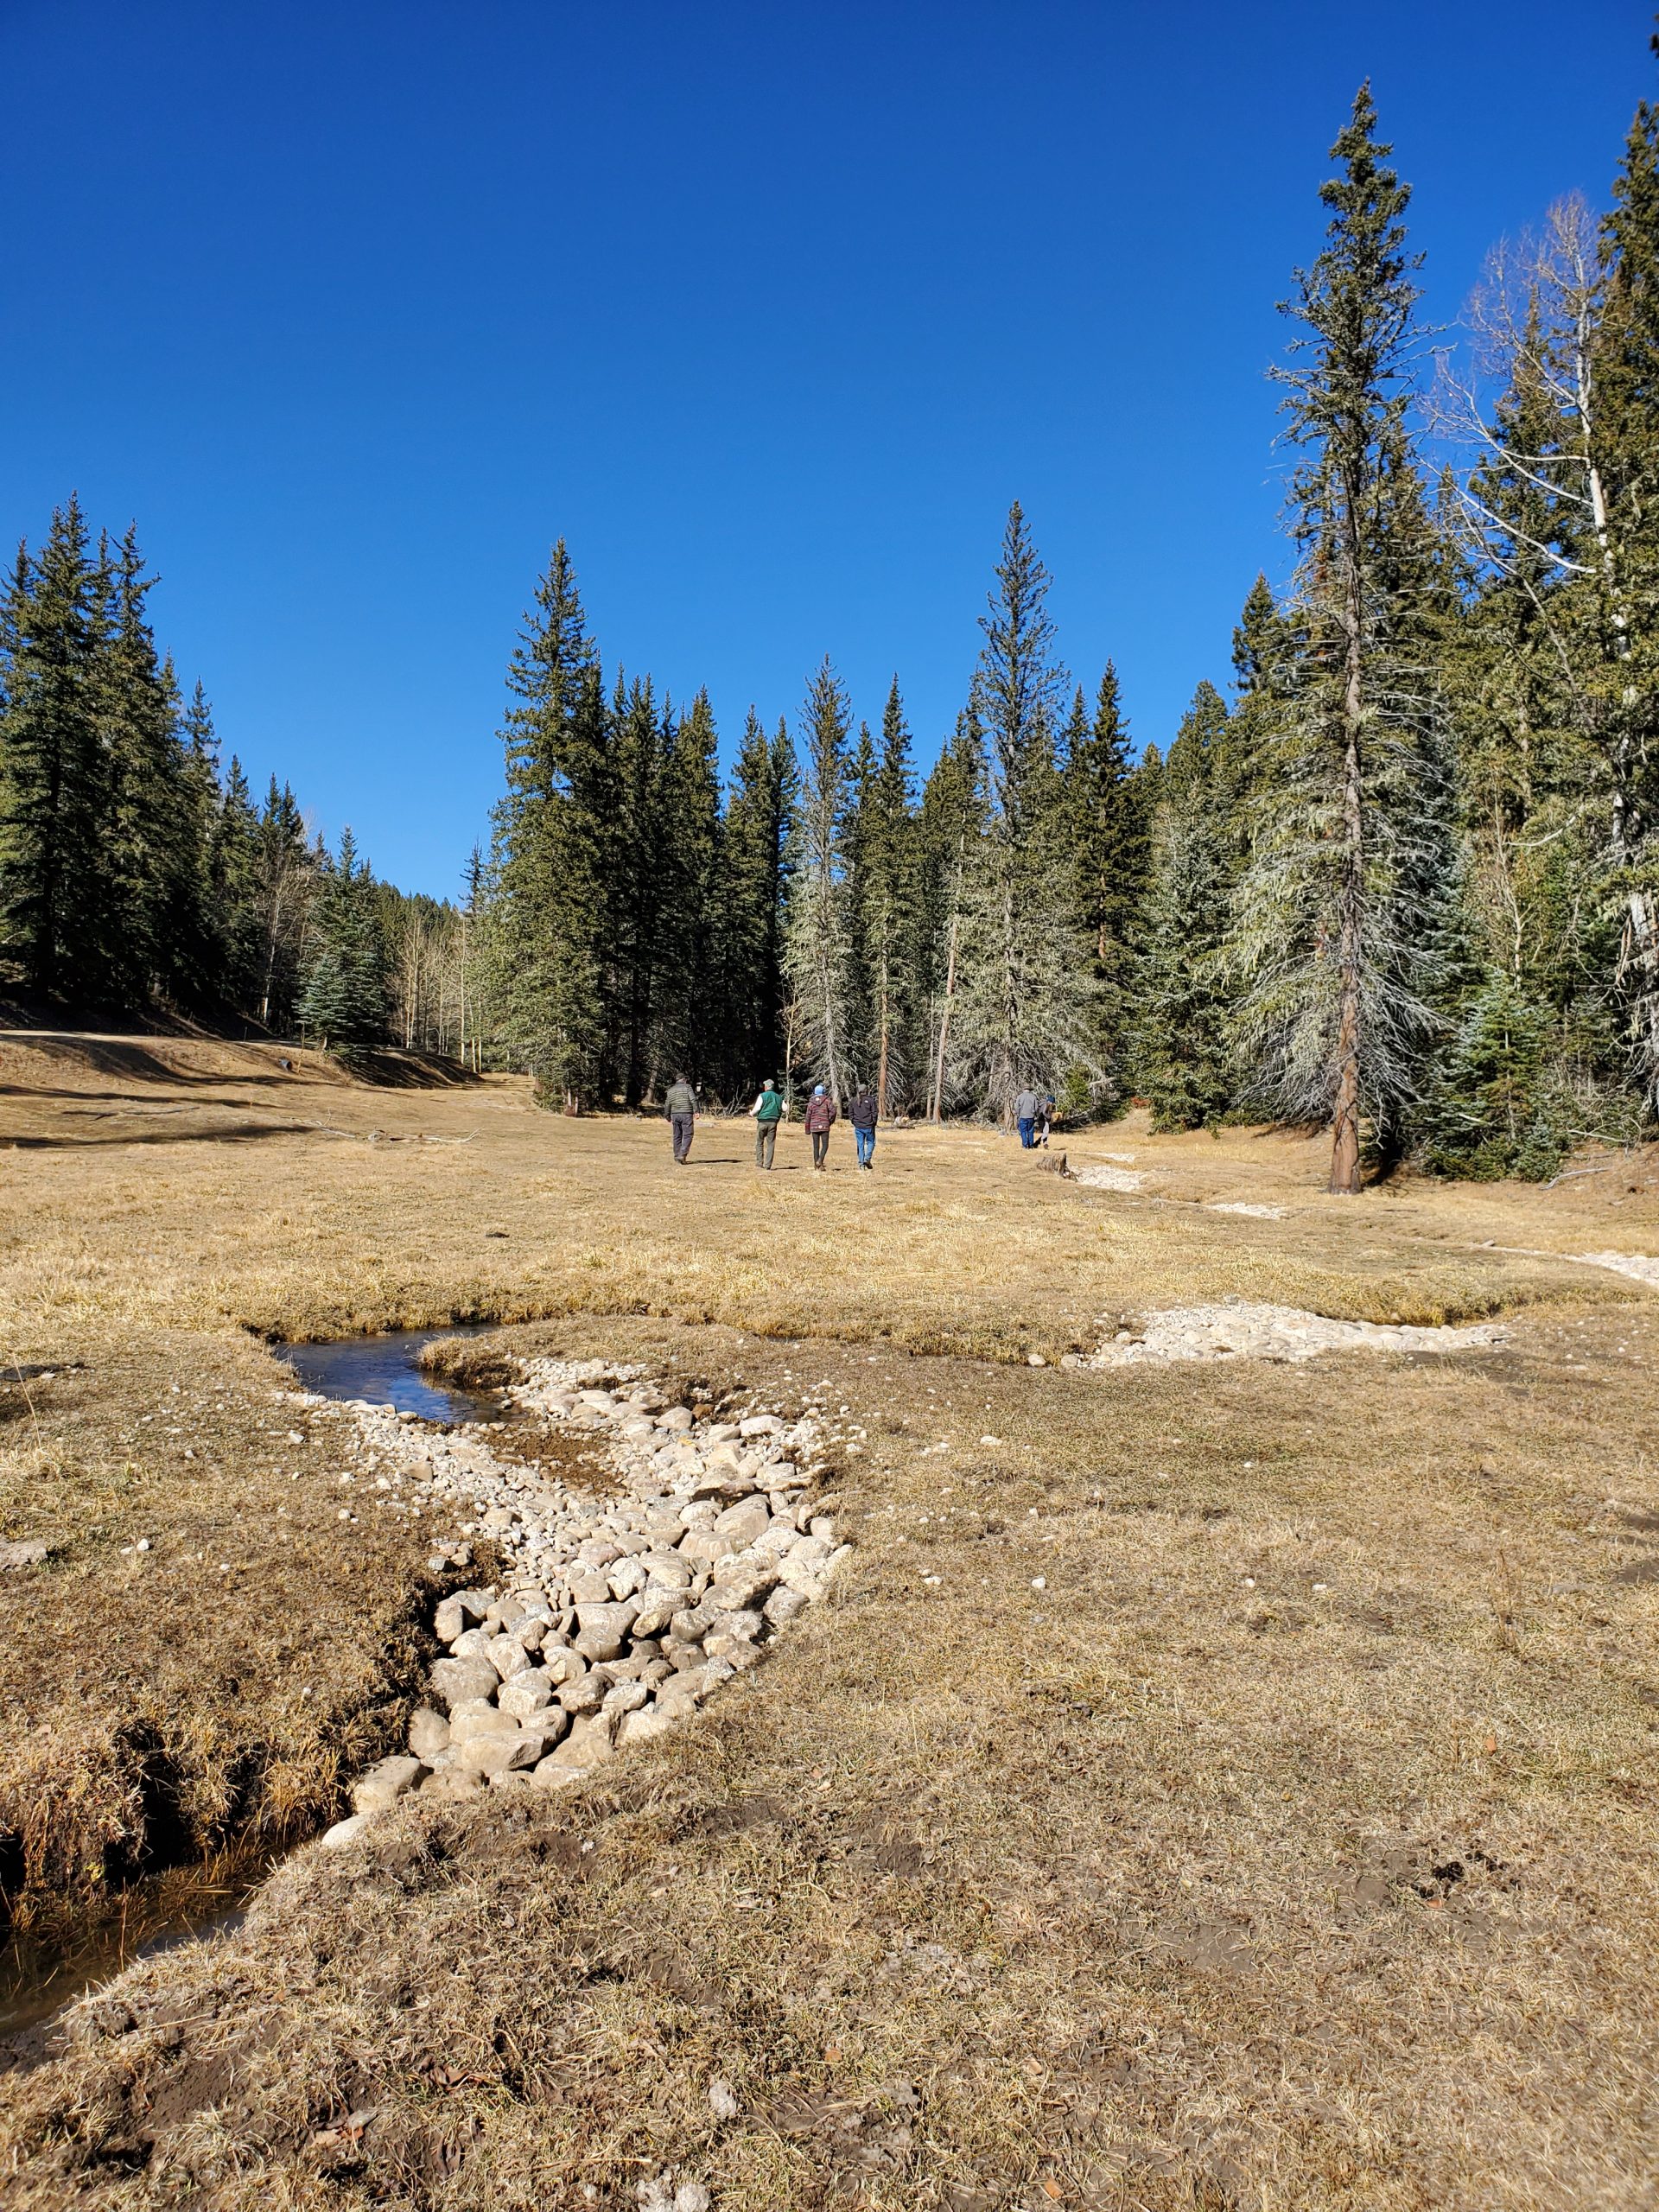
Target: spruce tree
1183,1061
1333,930
1626,577
551,906
750,903
344,1004
818,938
1027,1000
688,856
1110,830
953,817
57,926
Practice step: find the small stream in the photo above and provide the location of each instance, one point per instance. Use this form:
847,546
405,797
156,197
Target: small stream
382,1370
181,1904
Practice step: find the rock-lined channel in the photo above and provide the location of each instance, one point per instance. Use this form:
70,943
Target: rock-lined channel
620,1615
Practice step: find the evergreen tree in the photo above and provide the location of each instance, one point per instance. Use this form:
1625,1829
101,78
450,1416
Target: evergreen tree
1110,830
688,857
1027,1000
551,906
344,1002
886,894
56,922
953,817
1625,577
750,907
1183,1058
819,939
1334,933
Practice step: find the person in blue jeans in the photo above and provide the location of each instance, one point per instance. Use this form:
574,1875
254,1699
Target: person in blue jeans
1026,1107
864,1114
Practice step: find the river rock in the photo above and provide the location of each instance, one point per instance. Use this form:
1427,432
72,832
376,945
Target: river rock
604,1629
526,1693
428,1731
731,1633
476,1717
585,1694
783,1607
639,1726
458,1681
741,1523
740,1584
760,1425
561,1665
386,1781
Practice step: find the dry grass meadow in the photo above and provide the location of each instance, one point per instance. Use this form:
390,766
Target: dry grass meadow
1227,1786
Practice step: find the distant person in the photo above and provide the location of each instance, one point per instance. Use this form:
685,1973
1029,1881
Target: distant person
681,1107
864,1114
767,1111
821,1117
1026,1108
1045,1119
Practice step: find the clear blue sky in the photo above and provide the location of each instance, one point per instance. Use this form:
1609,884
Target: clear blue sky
770,309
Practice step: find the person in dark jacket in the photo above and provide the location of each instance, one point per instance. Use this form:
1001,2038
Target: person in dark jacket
681,1107
821,1117
864,1114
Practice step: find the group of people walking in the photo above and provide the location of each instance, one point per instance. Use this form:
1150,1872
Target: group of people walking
768,1109
1033,1112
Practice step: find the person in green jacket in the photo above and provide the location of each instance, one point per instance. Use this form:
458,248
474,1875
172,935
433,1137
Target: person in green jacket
768,1111
681,1107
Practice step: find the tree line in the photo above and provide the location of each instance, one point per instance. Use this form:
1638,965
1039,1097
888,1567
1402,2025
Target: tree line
1404,881
1399,876
139,877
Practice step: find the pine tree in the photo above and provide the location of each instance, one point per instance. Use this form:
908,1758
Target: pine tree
57,928
1027,1000
344,1003
819,939
1625,578
953,817
1109,832
233,891
750,905
886,890
1183,1063
687,855
551,904
1333,924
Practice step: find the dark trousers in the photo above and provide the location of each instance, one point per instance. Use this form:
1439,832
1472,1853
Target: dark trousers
820,1147
766,1138
682,1125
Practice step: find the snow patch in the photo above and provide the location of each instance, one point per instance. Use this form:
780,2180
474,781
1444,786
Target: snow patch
1243,1205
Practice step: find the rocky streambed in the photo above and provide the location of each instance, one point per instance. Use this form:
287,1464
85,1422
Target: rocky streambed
621,1613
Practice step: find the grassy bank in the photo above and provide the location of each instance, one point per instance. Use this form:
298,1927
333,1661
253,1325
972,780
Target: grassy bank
1219,1785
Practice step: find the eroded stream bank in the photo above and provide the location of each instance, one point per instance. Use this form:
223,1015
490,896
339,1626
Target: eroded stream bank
623,1525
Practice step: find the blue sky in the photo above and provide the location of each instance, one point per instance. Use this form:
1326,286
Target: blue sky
770,309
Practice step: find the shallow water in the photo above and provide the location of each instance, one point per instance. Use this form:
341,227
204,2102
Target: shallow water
183,1904
382,1370
38,1978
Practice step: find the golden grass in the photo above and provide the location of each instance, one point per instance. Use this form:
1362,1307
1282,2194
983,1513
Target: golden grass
1290,1846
